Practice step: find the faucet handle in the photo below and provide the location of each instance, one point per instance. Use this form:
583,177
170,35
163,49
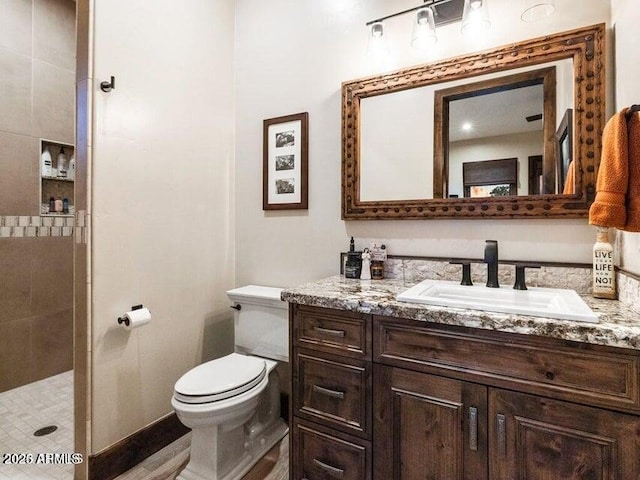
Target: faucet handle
520,283
466,271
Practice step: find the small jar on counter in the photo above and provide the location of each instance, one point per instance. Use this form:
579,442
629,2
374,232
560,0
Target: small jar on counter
377,270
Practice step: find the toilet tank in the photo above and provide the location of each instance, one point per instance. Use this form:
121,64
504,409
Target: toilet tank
261,325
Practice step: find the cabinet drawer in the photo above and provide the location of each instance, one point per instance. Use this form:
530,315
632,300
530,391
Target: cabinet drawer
333,391
345,333
597,376
319,454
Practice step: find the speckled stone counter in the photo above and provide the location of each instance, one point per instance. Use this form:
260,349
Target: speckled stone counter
618,326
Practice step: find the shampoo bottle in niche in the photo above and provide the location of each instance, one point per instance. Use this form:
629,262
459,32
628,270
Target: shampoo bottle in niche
47,162
62,163
604,276
71,174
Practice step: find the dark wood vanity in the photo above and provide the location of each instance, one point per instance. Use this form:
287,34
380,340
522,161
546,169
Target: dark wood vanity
378,397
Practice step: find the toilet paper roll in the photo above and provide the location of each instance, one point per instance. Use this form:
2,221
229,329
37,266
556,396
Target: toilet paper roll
136,318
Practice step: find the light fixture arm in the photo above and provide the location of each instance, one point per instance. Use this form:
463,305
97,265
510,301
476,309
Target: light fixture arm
427,3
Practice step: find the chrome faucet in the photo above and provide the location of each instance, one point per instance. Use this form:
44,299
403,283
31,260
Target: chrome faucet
491,259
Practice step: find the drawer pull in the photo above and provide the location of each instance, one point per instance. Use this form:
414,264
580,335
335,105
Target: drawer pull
473,429
333,471
330,332
328,392
502,434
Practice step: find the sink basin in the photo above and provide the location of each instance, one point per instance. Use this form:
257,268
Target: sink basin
539,302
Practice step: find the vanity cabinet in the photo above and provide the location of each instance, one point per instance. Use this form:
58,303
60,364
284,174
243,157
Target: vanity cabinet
404,399
332,394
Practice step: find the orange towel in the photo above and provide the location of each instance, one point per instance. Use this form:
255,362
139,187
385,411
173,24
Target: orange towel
609,208
633,192
570,181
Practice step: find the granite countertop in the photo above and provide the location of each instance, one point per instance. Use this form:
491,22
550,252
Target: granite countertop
618,325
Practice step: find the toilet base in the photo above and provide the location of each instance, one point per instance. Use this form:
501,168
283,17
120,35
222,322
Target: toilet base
260,446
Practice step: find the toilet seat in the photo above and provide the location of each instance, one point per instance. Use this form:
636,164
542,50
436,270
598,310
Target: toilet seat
220,379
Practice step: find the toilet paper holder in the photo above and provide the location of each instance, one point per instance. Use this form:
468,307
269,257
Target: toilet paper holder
125,320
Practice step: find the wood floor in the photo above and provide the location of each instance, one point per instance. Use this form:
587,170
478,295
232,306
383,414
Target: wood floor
169,462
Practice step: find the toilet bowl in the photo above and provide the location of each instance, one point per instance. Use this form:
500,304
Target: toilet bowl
232,404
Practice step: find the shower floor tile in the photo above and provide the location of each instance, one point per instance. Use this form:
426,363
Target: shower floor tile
26,409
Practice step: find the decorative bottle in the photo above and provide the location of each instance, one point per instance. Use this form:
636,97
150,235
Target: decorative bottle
604,275
47,163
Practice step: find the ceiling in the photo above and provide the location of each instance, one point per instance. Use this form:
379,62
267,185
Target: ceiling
494,114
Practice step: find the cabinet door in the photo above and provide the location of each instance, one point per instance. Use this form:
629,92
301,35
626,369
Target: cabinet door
535,438
428,427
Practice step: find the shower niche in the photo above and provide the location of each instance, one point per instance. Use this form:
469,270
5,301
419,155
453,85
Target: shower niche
57,177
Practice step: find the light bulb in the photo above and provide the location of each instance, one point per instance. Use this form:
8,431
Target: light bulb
424,30
475,17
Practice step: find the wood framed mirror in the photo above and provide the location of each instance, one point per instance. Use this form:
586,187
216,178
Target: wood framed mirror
402,174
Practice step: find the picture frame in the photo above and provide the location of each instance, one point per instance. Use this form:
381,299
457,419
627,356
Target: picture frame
285,177
564,148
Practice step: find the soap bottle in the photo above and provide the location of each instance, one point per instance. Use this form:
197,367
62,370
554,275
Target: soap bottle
72,167
47,162
65,205
604,275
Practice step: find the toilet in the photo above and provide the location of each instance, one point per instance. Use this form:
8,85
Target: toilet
232,404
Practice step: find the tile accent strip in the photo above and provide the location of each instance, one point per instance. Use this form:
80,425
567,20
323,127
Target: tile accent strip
28,226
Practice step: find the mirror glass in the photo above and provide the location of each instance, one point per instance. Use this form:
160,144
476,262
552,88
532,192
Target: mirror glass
489,120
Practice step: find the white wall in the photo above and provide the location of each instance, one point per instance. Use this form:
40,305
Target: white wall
161,202
625,19
292,56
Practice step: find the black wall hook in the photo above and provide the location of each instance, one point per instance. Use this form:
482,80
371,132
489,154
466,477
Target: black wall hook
108,86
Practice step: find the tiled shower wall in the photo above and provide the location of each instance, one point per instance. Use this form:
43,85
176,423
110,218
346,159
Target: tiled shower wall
37,81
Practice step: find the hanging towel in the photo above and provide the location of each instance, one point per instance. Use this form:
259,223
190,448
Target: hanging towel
570,181
609,208
633,191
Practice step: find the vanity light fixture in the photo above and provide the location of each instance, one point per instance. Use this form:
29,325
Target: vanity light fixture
535,10
432,13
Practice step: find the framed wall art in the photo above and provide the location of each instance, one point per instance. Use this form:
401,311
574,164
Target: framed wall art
285,163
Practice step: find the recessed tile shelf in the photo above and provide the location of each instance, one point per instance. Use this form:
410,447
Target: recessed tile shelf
54,186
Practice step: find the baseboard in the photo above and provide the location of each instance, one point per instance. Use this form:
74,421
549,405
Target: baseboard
130,451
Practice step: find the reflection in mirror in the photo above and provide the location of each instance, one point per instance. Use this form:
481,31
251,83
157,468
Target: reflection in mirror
403,150
511,116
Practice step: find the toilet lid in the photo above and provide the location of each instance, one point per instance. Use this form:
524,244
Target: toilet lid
222,378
